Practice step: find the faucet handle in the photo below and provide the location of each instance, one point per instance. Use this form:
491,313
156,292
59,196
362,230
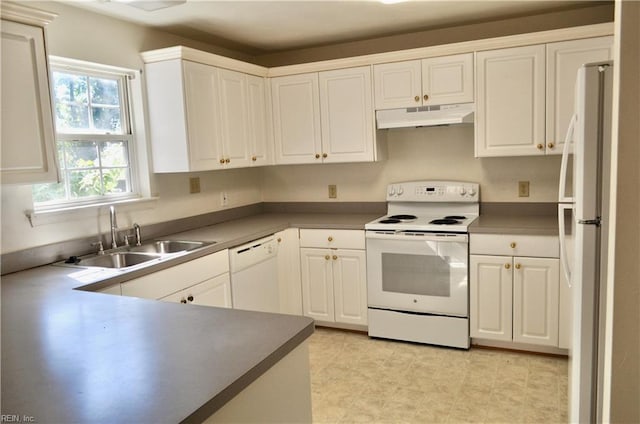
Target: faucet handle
100,247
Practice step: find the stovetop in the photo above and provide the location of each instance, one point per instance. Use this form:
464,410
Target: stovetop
430,206
431,223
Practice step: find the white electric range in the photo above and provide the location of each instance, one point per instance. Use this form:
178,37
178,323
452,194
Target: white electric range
417,263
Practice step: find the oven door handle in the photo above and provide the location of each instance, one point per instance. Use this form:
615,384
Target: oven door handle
440,237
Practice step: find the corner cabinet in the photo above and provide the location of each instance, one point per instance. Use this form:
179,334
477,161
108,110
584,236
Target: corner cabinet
525,95
433,81
28,135
333,268
515,289
205,118
324,117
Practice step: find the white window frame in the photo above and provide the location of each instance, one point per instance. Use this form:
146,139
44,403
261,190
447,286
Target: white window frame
133,131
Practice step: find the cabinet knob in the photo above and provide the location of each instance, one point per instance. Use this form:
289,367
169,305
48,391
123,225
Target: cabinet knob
330,238
222,161
518,266
551,145
317,155
426,97
513,245
507,266
190,298
324,155
279,240
227,160
540,146
327,257
417,98
183,300
253,158
335,257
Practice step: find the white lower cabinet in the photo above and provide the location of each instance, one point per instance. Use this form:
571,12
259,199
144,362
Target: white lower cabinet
212,292
334,284
515,298
205,279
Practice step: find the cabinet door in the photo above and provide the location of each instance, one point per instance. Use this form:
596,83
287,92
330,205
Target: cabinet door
203,116
317,284
510,108
28,138
490,297
296,119
447,79
563,60
350,286
259,128
535,300
346,112
398,84
213,292
289,283
233,118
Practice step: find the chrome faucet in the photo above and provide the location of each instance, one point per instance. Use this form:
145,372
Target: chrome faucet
114,226
136,230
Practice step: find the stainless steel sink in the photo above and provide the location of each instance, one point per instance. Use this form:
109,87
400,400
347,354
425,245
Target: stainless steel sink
168,246
117,259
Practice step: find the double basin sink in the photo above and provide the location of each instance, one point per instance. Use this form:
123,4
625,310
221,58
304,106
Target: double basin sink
129,256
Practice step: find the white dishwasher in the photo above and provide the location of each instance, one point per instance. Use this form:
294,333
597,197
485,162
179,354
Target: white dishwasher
254,275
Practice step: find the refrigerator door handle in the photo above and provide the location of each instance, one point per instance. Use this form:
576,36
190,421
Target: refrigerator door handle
568,149
563,242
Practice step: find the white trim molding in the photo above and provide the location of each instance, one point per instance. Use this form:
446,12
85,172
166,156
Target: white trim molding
25,15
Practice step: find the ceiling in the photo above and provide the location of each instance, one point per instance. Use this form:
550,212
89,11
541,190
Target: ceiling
266,26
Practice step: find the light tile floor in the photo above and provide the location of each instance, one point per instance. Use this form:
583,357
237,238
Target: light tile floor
358,379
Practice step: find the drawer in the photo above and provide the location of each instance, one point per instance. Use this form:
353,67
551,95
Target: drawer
162,283
337,239
514,245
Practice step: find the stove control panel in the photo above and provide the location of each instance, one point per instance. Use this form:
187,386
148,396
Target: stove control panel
434,191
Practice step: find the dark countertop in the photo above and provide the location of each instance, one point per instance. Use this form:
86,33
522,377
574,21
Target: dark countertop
515,224
78,356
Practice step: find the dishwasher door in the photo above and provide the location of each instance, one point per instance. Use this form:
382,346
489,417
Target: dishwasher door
254,276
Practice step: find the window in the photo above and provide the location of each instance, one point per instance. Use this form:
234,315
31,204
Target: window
94,137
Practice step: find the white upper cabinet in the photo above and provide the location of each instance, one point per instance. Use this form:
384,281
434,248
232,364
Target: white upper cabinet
346,113
563,60
433,81
510,104
324,117
526,95
296,118
28,135
234,122
183,116
205,118
260,133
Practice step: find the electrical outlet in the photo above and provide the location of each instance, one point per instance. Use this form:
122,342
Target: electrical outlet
333,191
523,188
194,185
224,199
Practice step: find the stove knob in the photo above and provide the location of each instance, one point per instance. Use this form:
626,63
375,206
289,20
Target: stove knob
392,191
472,192
400,191
462,191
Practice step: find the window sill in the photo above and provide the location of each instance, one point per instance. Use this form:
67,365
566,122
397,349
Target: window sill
52,216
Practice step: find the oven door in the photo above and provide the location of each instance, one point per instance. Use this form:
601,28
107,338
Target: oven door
424,272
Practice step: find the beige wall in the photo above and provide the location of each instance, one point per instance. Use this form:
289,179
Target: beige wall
413,154
597,13
622,350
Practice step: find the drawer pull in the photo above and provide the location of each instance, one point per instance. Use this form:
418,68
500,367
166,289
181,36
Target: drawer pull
183,300
279,240
518,266
507,266
190,298
513,245
335,257
327,257
330,238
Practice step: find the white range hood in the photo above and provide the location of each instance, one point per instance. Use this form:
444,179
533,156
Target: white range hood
425,116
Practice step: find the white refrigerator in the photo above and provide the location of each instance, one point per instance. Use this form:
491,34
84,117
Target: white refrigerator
583,222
